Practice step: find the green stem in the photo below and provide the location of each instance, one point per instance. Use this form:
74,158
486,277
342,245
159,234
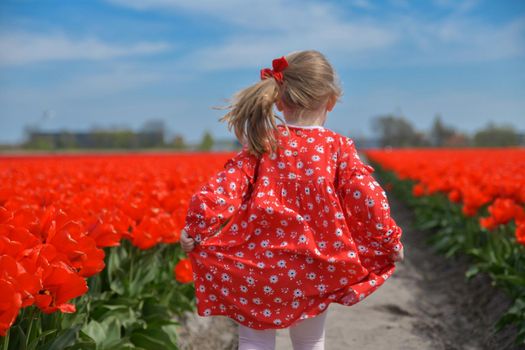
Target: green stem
6,340
31,317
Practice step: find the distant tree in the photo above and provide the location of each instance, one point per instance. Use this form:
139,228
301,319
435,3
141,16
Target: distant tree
178,142
397,131
207,142
496,136
439,133
458,139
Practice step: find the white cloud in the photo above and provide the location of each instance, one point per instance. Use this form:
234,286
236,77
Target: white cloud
274,27
23,47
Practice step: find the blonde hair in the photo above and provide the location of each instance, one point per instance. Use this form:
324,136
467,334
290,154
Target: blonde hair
308,82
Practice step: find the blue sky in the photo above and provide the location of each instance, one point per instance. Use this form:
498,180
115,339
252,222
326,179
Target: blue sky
79,64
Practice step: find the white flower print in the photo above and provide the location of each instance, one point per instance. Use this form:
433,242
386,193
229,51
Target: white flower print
297,293
292,273
369,202
212,297
274,278
288,152
311,275
295,304
268,253
338,232
225,291
300,165
261,265
310,140
281,263
277,321
240,317
268,290
316,158
244,288
251,245
303,239
243,301
343,280
207,312
309,171
257,301
267,312
265,243
281,165
250,280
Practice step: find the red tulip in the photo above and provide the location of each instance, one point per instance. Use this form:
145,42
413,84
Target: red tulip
183,271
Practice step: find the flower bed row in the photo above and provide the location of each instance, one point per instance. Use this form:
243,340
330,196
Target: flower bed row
88,253
473,202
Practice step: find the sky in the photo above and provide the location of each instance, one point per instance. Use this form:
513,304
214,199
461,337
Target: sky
108,63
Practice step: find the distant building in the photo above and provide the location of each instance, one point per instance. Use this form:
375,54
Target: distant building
95,139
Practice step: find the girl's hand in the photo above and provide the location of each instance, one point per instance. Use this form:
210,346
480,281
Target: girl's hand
187,243
398,256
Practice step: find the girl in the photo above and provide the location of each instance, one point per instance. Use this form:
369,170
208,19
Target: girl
295,220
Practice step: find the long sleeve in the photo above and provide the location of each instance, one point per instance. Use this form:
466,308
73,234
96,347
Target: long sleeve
221,196
365,204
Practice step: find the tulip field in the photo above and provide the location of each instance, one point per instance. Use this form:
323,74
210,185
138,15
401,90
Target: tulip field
473,202
88,249
89,253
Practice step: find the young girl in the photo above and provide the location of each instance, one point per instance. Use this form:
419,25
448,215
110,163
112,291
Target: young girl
305,222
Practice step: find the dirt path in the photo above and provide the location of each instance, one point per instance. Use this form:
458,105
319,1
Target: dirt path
426,304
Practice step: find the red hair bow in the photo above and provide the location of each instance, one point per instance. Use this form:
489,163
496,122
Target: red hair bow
278,64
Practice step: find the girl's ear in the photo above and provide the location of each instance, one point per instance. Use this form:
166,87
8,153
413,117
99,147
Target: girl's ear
331,103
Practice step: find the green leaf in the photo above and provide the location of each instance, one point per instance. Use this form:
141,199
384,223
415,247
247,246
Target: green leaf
472,271
65,338
95,331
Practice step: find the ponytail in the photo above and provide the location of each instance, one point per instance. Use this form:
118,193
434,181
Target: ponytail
306,84
252,116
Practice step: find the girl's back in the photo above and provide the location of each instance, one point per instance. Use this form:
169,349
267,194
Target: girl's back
305,233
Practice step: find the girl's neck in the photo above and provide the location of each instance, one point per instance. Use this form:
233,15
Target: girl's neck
315,118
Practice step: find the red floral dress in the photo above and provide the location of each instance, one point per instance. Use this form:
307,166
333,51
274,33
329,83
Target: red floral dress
304,226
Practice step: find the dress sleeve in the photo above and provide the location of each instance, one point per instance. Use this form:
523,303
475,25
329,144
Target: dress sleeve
365,205
220,198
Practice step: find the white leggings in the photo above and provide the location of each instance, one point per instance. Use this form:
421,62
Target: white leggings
307,334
